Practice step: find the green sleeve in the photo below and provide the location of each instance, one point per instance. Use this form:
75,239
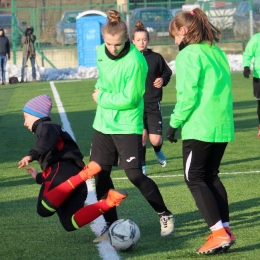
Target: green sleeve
188,70
249,52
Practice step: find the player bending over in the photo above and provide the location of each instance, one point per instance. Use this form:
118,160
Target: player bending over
63,187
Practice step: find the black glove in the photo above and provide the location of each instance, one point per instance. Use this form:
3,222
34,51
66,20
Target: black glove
246,72
170,133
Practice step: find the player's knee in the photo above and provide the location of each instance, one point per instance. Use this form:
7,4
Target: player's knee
135,176
67,224
68,228
43,212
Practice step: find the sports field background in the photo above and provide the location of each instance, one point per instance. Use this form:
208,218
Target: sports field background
26,236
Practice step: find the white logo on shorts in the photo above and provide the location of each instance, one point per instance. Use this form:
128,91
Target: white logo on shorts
130,159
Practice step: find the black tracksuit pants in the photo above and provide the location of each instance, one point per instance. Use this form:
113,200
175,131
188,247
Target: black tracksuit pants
201,162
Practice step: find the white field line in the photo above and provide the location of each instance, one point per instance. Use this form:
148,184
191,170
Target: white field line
181,175
106,251
65,81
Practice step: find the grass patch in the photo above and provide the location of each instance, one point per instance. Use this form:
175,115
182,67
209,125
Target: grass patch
25,235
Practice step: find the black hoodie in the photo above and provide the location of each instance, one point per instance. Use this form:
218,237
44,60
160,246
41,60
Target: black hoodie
52,144
157,68
4,44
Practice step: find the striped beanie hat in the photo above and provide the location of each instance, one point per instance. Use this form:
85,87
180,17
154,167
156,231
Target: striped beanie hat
39,106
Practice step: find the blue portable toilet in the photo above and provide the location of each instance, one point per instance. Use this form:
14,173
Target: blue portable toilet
88,25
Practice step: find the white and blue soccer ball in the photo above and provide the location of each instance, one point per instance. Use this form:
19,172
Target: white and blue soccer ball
124,234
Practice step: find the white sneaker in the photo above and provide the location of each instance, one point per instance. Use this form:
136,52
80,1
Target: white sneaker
103,235
161,158
167,223
144,169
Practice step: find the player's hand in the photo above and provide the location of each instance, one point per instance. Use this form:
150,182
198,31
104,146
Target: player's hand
32,171
24,162
170,133
246,72
95,94
158,83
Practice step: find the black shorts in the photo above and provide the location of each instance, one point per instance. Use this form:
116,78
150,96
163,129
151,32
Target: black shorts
202,160
106,149
256,88
153,118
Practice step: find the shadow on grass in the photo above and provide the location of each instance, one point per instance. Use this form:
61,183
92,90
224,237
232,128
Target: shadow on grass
241,160
48,231
191,227
17,181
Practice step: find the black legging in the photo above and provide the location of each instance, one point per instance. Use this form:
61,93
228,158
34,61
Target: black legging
201,163
258,111
147,187
59,173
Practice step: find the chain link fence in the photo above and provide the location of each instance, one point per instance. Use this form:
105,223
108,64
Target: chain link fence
55,22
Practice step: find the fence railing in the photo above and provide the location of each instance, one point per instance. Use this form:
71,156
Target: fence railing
237,20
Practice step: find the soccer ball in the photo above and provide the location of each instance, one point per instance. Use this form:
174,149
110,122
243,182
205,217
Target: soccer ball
124,234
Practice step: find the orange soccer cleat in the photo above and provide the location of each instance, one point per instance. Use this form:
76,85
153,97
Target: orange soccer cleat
89,170
217,242
114,197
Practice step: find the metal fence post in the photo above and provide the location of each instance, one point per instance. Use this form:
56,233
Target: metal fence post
13,32
251,23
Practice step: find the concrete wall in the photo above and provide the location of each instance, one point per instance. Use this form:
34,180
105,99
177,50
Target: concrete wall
169,52
69,57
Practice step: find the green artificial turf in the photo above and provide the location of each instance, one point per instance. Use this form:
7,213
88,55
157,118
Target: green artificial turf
26,236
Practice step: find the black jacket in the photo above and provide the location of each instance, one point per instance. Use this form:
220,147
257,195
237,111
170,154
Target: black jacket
157,68
52,144
4,46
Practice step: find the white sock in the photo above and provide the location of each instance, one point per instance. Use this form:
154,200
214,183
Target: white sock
217,226
226,224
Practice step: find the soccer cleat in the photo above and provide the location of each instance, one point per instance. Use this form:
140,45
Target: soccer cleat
89,170
161,158
144,169
258,135
103,235
167,223
114,197
215,244
232,237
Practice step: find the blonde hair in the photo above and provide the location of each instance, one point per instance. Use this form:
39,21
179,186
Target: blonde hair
198,25
114,25
139,27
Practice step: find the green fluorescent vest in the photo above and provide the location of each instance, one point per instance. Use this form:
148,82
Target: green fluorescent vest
120,102
252,50
204,107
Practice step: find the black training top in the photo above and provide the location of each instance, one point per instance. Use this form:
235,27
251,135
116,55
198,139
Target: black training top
53,144
157,68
